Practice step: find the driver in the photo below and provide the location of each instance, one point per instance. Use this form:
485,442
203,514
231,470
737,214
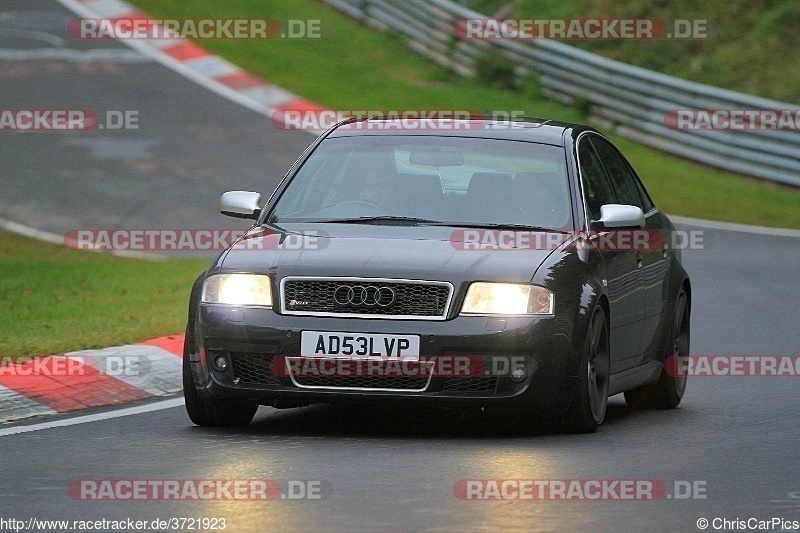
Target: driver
380,189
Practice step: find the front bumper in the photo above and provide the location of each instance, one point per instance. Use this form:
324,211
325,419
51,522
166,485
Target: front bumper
254,341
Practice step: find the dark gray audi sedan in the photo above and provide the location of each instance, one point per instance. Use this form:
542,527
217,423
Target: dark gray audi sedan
478,263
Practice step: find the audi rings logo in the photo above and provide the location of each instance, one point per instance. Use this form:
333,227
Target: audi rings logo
364,296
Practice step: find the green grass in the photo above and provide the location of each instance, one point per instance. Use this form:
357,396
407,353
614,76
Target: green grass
354,67
750,47
54,299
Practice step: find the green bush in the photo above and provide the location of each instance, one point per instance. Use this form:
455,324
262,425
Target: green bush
495,72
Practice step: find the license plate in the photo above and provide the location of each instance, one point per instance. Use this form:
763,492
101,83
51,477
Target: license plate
358,345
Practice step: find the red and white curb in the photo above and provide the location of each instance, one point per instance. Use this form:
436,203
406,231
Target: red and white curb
90,378
81,380
202,67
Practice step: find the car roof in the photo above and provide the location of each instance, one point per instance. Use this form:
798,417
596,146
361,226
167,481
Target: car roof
518,129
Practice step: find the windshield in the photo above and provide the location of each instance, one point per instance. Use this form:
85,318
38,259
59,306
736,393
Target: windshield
458,181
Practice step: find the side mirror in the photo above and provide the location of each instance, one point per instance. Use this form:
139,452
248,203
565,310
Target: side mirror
240,204
620,216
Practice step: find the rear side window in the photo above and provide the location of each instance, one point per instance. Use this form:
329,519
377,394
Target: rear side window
597,189
621,175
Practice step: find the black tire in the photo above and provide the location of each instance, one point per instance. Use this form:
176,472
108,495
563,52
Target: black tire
212,412
667,392
590,401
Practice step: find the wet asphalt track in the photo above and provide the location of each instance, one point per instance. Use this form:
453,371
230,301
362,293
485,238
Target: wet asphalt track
384,470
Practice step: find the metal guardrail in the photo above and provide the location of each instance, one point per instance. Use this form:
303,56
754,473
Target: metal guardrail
631,100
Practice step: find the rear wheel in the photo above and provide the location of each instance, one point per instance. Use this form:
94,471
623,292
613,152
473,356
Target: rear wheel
667,392
221,412
588,407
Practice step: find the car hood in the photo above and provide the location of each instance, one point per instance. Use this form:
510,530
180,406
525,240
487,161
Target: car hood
379,251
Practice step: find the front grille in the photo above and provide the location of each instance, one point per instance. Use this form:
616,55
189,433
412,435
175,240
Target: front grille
413,299
471,384
360,374
363,382
254,368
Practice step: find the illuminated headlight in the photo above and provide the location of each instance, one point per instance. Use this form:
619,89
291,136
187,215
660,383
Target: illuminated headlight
238,289
507,299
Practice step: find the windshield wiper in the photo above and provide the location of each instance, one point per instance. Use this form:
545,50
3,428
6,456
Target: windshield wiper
429,222
381,219
506,226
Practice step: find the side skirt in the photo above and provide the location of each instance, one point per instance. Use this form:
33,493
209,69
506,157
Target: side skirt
634,377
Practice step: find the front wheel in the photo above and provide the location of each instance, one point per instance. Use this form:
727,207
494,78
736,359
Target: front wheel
588,407
220,412
667,392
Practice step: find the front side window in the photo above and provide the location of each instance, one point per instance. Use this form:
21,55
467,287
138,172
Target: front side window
454,180
621,175
597,189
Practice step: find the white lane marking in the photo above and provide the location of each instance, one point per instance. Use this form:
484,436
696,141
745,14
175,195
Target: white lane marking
33,35
55,238
111,8
27,231
114,55
85,419
740,228
262,108
174,64
212,66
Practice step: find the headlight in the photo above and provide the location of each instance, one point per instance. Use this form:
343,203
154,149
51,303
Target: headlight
238,289
507,299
